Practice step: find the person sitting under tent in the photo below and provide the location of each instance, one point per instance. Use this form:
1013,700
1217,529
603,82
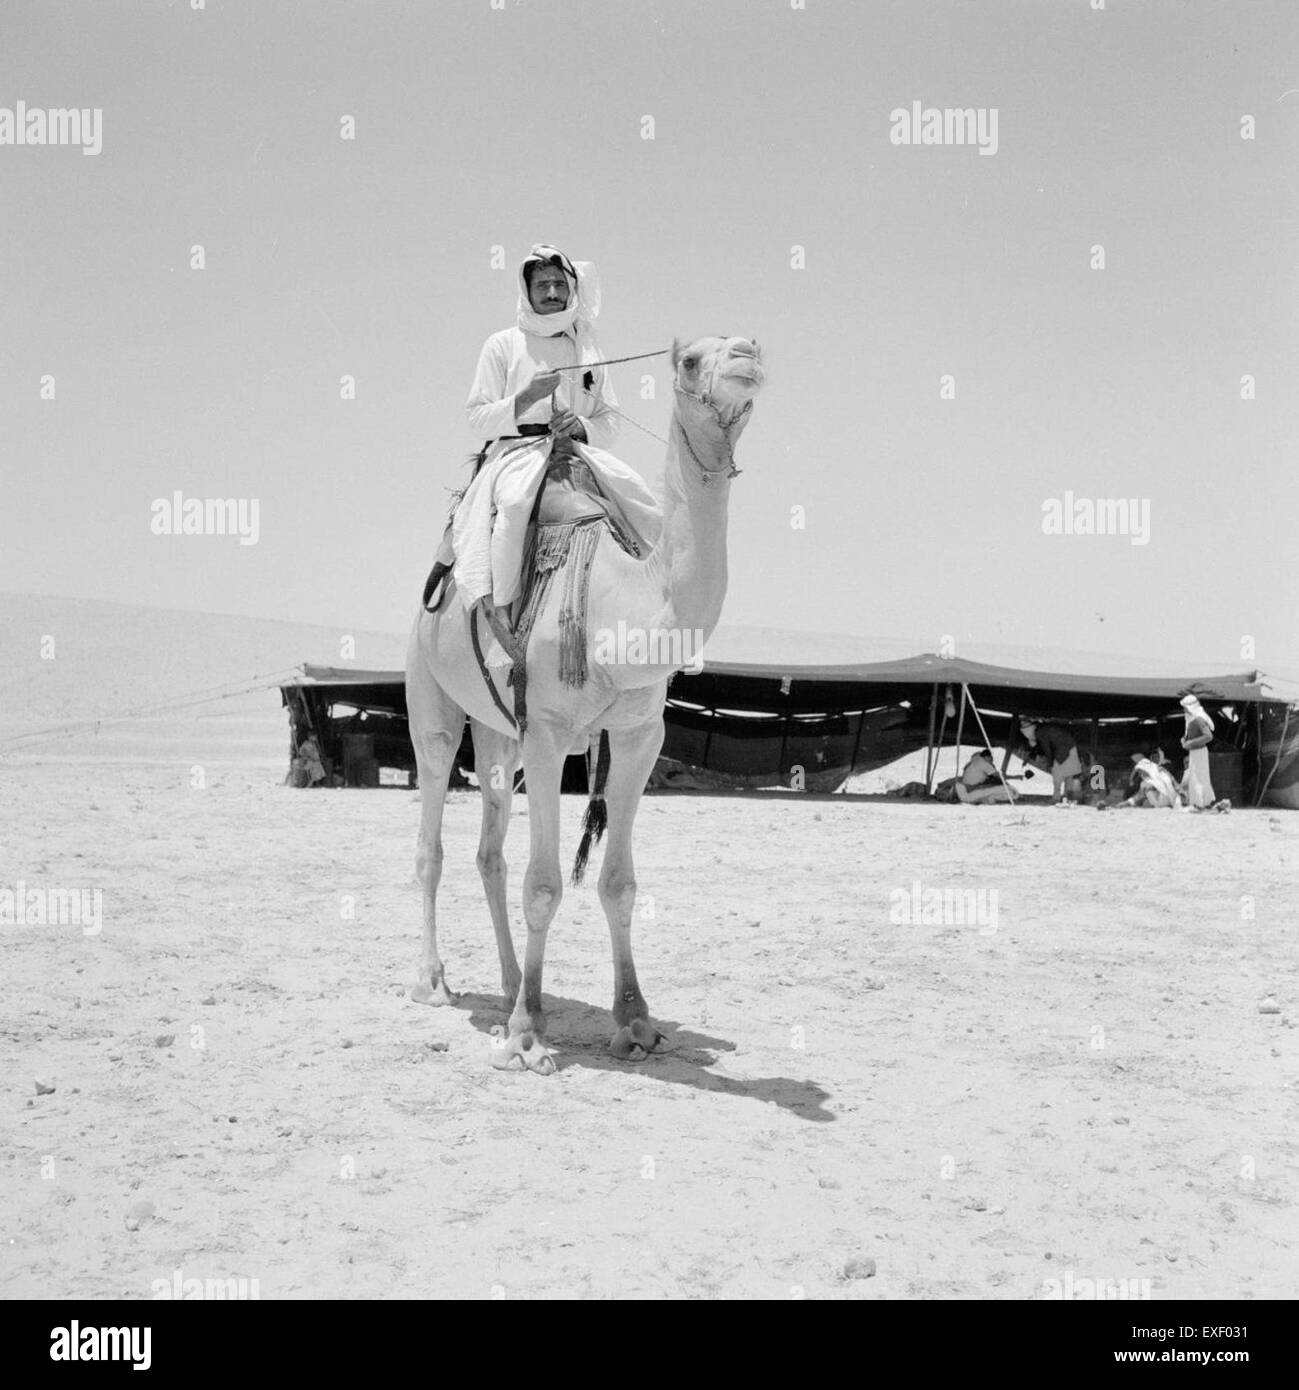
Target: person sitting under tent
1152,783
979,784
1053,748
544,460
306,768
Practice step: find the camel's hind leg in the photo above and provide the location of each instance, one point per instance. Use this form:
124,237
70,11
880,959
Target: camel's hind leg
631,760
436,727
496,760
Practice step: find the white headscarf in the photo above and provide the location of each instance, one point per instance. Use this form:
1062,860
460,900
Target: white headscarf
1193,710
583,298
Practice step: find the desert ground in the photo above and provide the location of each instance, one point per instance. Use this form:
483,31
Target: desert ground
1096,1081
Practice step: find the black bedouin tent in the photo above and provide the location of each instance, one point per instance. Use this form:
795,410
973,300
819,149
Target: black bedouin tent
809,710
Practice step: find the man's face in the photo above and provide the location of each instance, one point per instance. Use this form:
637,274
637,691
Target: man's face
548,290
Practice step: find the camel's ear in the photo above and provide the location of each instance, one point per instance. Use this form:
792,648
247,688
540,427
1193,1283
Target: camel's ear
677,350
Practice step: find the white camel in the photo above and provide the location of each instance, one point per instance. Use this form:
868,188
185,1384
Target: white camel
676,591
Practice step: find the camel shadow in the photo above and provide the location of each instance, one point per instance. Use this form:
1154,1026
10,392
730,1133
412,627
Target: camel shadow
579,1035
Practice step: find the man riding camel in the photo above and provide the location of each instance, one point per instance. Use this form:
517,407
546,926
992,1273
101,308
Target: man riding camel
546,418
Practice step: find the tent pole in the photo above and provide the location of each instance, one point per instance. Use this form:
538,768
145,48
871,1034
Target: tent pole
965,690
861,724
929,745
960,725
938,744
1258,752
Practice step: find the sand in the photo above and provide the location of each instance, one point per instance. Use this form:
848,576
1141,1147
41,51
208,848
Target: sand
1082,1089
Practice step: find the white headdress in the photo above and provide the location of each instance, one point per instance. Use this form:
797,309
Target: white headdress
1195,710
583,306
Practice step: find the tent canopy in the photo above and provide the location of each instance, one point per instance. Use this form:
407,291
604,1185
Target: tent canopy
761,667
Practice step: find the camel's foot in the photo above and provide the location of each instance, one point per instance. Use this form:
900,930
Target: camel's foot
433,992
635,1041
523,1051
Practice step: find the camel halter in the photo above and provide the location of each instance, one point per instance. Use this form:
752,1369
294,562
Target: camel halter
705,397
728,469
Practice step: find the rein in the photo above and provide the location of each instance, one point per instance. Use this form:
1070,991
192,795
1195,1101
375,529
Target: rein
608,361
728,469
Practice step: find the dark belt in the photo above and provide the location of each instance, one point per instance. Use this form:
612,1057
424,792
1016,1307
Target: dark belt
528,432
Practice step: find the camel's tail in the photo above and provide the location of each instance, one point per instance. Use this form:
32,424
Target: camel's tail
597,814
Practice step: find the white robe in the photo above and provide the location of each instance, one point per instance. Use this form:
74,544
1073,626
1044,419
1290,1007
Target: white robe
510,359
485,539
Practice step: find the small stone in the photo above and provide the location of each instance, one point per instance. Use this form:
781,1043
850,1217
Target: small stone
438,1046
164,1040
211,999
138,1213
114,1056
827,1182
1122,1120
44,1088
859,1269
976,1204
347,1042
1269,1006
234,1119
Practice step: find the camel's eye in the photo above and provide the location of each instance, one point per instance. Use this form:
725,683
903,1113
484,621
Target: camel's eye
689,363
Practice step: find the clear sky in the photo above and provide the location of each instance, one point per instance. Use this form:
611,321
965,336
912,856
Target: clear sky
479,127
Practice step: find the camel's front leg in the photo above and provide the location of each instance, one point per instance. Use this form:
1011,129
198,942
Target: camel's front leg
496,759
543,887
631,760
436,727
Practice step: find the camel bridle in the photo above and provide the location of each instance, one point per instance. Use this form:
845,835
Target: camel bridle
704,397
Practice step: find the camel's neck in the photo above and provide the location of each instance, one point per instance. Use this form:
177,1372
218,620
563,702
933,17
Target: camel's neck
694,524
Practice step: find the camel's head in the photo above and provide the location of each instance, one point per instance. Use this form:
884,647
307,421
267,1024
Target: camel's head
717,378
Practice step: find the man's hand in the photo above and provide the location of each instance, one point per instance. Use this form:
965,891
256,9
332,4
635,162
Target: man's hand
564,422
536,390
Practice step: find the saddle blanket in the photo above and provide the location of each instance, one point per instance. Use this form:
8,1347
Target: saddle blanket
485,541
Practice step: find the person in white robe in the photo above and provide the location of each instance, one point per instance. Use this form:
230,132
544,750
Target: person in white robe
1196,784
538,419
1154,784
